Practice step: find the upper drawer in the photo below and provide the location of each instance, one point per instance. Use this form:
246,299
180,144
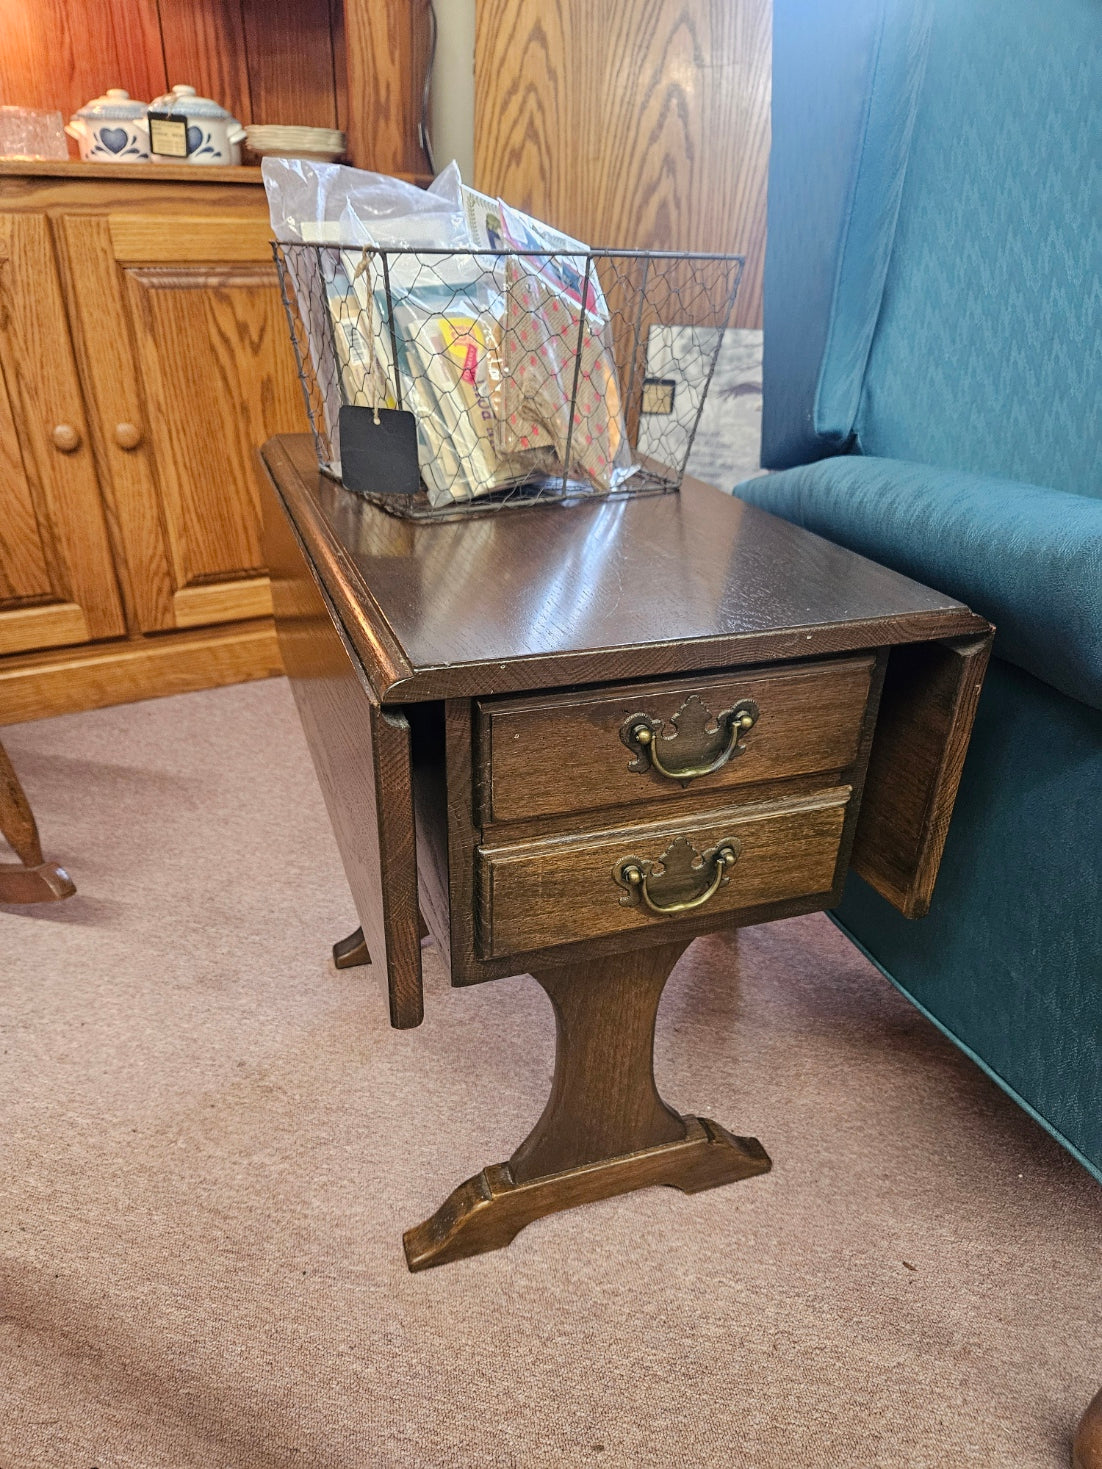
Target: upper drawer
576,752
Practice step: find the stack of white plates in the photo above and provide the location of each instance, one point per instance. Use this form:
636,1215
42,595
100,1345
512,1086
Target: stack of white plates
323,144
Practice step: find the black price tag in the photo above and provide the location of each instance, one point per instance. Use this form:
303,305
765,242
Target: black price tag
379,458
167,135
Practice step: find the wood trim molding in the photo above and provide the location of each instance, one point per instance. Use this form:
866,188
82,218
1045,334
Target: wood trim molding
37,687
234,601
50,626
148,239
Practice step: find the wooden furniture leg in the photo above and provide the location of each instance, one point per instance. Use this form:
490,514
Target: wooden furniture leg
1087,1453
349,952
605,1129
30,880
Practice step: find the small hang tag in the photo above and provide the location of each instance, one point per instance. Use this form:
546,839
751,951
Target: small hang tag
167,135
379,458
658,395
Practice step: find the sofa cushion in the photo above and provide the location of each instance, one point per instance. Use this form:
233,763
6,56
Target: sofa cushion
1026,557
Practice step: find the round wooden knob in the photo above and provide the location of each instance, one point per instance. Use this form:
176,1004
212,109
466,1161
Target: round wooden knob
66,438
127,435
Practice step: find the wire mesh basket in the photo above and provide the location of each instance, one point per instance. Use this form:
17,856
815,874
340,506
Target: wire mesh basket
520,375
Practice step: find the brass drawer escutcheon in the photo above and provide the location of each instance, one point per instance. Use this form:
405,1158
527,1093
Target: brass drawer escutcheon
707,749
680,867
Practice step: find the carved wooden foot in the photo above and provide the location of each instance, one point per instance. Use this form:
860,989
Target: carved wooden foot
605,1130
349,952
31,880
1087,1453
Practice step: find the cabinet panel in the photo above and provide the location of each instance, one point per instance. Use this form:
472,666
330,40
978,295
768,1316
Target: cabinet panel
190,366
57,578
24,575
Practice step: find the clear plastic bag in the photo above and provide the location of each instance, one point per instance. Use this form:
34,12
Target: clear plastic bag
331,204
481,346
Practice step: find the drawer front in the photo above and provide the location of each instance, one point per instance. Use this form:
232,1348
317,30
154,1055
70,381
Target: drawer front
579,752
539,894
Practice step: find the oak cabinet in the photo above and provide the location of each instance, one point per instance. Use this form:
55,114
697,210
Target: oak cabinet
189,368
57,576
144,355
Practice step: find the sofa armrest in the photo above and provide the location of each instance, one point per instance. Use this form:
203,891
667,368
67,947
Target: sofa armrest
1026,557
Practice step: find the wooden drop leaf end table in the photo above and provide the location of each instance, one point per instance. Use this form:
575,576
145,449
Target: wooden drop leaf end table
566,740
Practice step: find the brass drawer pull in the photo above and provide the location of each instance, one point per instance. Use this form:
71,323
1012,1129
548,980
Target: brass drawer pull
640,733
678,870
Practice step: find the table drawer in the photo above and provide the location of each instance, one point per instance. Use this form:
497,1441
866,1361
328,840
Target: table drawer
538,894
577,752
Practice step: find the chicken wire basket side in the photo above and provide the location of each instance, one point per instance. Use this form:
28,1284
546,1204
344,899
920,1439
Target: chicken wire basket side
530,375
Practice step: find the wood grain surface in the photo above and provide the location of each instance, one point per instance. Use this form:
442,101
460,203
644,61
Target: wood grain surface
191,351
204,46
292,73
561,754
640,124
604,1101
605,1128
362,755
31,880
216,368
927,710
487,1212
24,574
59,54
50,457
556,596
38,685
112,385
16,817
272,61
539,894
386,51
1087,1450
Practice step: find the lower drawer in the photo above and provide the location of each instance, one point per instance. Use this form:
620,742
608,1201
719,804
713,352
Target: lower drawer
554,891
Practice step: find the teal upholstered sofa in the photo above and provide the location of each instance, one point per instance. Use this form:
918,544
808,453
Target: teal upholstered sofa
932,381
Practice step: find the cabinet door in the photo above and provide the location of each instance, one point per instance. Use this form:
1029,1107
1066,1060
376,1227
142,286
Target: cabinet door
57,578
189,365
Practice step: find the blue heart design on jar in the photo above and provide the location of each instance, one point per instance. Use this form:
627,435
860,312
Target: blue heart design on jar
114,139
194,138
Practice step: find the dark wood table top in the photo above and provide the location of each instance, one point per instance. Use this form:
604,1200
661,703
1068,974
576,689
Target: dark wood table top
561,594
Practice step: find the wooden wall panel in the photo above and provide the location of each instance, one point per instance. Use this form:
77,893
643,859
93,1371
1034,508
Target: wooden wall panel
386,46
61,53
265,60
292,79
204,47
643,123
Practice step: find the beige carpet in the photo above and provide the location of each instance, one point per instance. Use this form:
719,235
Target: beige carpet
210,1142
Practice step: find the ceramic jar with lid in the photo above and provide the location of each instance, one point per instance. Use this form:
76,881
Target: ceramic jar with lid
209,133
111,129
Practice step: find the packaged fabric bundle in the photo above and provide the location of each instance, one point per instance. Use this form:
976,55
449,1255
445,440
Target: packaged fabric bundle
467,313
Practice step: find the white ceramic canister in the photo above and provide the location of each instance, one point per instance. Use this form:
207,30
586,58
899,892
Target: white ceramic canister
111,129
209,134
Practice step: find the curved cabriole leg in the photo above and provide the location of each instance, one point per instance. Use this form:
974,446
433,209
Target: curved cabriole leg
31,880
605,1129
1087,1453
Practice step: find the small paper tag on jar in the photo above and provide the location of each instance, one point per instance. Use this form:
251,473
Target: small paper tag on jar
167,135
